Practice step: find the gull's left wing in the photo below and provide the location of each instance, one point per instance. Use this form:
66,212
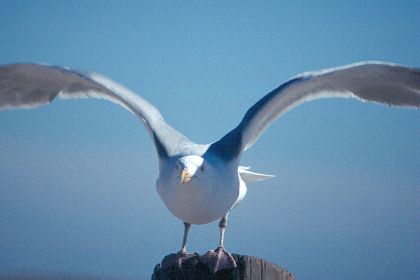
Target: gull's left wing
367,81
33,85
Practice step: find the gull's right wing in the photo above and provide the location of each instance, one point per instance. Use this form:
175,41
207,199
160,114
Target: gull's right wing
33,85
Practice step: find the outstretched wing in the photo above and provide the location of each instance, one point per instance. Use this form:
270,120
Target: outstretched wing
33,85
367,81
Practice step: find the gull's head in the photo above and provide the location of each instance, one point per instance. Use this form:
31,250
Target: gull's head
189,167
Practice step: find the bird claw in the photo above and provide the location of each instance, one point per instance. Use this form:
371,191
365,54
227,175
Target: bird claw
218,259
176,259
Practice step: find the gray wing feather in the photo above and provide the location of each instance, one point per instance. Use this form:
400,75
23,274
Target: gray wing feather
367,81
33,85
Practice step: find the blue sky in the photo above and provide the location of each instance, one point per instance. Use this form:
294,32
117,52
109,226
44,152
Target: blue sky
77,178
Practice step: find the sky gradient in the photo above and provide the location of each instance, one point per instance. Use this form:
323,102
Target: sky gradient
77,178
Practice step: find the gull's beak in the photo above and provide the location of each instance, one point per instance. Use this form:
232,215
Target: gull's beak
185,176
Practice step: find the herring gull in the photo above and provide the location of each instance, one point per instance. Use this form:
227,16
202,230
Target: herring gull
200,183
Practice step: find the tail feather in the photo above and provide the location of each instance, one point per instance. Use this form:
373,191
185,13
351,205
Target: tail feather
249,176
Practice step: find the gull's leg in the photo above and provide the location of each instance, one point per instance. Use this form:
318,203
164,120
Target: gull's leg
220,258
222,227
180,257
184,239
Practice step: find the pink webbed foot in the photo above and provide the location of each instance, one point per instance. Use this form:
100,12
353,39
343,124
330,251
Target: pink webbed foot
218,259
176,259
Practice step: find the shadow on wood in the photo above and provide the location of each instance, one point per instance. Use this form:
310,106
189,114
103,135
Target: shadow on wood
248,268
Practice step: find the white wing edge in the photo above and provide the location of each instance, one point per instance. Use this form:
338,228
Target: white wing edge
343,67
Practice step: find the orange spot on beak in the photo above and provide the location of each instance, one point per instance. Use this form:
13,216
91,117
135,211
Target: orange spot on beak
185,176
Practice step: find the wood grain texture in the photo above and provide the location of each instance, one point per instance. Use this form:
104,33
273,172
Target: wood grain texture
248,268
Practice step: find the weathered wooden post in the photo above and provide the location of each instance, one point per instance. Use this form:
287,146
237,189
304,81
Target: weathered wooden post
248,268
